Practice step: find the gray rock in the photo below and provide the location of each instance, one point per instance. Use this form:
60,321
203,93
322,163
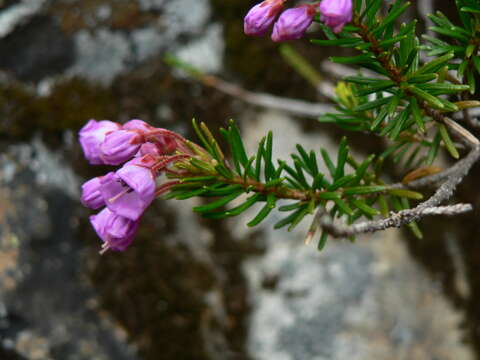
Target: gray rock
18,14
206,53
103,54
47,309
36,49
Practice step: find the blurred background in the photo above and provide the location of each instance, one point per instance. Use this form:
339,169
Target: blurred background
190,288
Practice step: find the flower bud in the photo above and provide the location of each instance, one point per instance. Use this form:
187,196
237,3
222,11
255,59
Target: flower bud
336,13
261,17
120,146
92,135
293,23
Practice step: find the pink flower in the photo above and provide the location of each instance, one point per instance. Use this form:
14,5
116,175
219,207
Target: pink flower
261,17
116,231
91,196
148,148
130,190
293,23
336,13
136,124
92,135
127,192
120,146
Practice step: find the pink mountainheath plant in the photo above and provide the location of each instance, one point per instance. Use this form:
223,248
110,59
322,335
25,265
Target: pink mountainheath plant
417,97
292,23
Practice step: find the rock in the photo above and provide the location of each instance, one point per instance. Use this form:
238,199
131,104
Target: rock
48,308
367,301
43,48
206,53
102,55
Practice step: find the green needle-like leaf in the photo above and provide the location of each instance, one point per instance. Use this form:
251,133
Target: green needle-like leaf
433,151
269,206
322,241
247,204
432,100
328,162
343,206
362,190
448,141
290,218
406,194
417,115
218,203
392,15
435,64
368,210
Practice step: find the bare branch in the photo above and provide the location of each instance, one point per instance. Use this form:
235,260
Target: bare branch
453,176
396,220
292,106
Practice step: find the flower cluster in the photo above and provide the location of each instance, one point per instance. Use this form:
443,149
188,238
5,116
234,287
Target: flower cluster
145,152
292,24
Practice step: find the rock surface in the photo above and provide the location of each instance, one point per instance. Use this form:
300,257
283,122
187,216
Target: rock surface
48,309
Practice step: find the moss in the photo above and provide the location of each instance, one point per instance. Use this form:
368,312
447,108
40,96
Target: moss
70,103
83,14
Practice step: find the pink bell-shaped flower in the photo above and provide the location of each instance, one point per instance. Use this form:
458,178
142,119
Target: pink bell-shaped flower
130,190
336,13
91,196
92,135
120,146
261,17
116,231
137,124
293,23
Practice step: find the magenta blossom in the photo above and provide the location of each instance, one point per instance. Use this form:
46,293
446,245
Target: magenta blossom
130,190
116,231
336,13
136,124
261,17
92,135
292,23
145,152
91,196
149,148
120,146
